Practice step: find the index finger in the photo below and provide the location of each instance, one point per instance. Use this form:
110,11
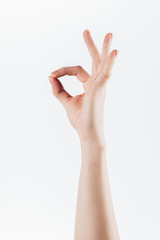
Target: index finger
77,71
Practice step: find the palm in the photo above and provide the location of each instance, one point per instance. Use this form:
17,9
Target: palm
76,107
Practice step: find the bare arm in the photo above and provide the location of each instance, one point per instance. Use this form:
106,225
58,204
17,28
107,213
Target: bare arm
95,215
95,218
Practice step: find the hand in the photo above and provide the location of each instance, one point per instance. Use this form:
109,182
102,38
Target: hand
85,111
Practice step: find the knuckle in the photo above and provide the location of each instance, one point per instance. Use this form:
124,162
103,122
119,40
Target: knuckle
106,74
94,76
79,67
97,86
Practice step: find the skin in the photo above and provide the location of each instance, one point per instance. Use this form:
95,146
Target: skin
95,218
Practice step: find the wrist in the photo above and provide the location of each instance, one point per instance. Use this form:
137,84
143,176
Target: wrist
93,151
92,140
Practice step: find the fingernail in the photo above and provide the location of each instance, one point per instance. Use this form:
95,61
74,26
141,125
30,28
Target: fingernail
87,31
54,73
110,35
116,52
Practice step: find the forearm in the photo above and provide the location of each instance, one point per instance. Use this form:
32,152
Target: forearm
95,219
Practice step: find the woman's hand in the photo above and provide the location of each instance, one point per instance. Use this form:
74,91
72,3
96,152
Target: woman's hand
85,111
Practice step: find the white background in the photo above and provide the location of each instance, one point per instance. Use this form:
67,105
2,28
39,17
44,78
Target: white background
40,151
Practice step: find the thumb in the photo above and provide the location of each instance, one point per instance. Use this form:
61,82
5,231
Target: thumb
58,91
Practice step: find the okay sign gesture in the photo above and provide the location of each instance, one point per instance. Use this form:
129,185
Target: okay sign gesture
85,111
